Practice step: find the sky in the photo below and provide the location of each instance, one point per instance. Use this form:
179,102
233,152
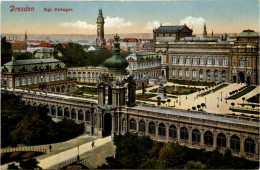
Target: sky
221,16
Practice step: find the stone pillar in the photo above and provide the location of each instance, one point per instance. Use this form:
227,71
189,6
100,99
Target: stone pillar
190,136
113,127
137,125
84,115
167,131
178,133
214,139
202,139
118,123
63,111
256,147
156,130
228,140
70,113
146,127
56,113
77,116
242,145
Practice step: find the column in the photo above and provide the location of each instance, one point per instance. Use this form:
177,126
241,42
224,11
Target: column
214,140
242,145
202,139
156,129
77,116
256,147
146,127
137,125
167,131
118,123
84,115
113,127
56,112
63,111
190,135
228,140
70,113
178,133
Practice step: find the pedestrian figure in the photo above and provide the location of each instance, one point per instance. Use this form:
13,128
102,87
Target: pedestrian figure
93,144
50,147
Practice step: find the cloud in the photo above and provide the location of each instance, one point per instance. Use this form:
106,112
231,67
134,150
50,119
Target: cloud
154,24
117,22
196,23
78,24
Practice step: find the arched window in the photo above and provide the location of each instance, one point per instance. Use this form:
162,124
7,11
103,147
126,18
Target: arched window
133,124
130,66
241,62
216,73
89,76
87,115
235,143
195,136
142,126
80,115
16,82
74,74
23,81
187,72
62,75
173,131
221,140
193,73
249,145
187,60
180,72
58,76
73,114
161,128
29,80
69,74
66,112
224,74
93,75
68,88
184,134
52,77
224,61
151,128
201,73
35,81
173,72
10,82
47,78
53,110
208,138
79,75
96,75
84,74
73,88
59,111
134,66
208,73
180,59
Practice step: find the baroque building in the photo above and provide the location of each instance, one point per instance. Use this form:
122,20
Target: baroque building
100,29
48,74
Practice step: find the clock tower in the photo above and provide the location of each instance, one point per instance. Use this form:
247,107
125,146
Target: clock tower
100,29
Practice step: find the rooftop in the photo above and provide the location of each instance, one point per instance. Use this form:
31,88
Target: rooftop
248,33
170,28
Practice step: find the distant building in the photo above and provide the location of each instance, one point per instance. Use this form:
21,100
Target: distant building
47,74
171,33
47,53
100,29
20,46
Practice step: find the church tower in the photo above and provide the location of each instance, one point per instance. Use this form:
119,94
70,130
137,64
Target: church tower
205,31
25,36
100,29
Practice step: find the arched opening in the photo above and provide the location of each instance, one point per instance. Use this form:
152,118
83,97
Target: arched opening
161,129
208,138
249,145
151,128
73,114
221,140
62,89
59,111
66,112
241,77
195,136
184,134
162,72
58,89
48,109
87,115
29,103
234,79
173,131
34,104
248,80
80,113
132,124
53,110
142,126
107,124
235,143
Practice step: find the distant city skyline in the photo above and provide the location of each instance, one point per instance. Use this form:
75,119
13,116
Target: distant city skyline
224,16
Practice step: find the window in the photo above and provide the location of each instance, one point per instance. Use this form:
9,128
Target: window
16,82
79,75
89,75
180,72
47,78
162,131
195,60
173,72
87,115
84,74
73,88
69,74
224,61
208,73
10,82
221,140
142,126
74,74
215,73
224,74
180,59
173,131
193,73
130,65
216,61
201,60
201,73
29,80
187,72
173,59
249,145
208,138
235,143
58,76
241,62
133,124
184,133
151,128
52,77
93,75
187,60
195,136
134,66
209,62
96,75
35,80
62,76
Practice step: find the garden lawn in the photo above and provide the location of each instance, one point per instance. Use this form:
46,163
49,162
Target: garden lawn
180,90
242,93
254,99
193,83
213,90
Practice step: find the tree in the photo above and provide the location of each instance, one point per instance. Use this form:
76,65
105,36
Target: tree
243,98
194,165
253,106
22,56
6,51
203,105
198,106
232,104
163,102
168,100
29,164
12,166
193,108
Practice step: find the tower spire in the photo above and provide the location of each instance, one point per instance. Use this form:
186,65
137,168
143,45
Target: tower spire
205,30
100,29
25,35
